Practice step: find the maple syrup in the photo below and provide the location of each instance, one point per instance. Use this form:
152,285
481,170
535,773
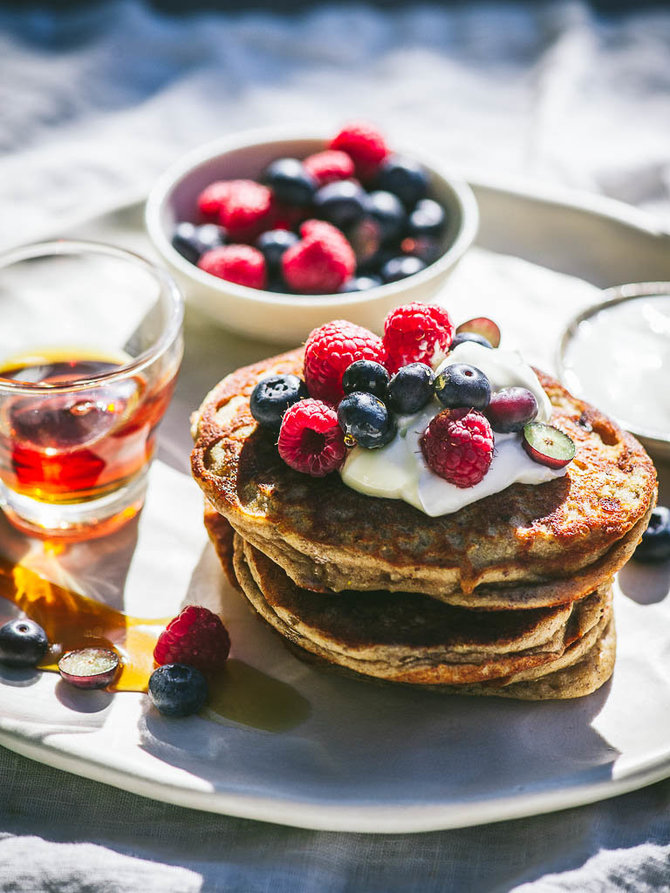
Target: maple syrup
70,446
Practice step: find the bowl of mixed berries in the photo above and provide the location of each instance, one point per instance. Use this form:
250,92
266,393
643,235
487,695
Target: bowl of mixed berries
272,235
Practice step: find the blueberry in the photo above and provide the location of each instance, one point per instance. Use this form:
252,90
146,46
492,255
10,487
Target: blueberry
400,267
341,203
289,181
411,388
655,542
177,690
360,283
403,177
373,265
470,336
387,209
460,385
365,421
278,286
272,244
426,248
23,643
365,237
193,241
273,395
367,376
427,219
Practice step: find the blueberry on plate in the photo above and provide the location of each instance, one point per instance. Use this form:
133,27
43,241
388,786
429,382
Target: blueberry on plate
403,177
273,395
367,376
193,241
401,267
470,336
177,690
427,219
411,388
365,421
289,181
510,409
23,643
389,212
460,385
272,245
360,283
341,203
655,542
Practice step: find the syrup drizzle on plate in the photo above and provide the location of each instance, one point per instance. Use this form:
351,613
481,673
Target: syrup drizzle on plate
239,692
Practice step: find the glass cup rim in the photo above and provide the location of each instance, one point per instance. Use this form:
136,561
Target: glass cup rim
168,291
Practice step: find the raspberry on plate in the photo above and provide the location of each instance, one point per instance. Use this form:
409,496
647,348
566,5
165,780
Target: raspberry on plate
458,446
310,438
328,166
330,350
417,333
236,263
245,210
196,637
364,144
321,262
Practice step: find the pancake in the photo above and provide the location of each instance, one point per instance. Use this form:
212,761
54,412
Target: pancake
419,640
575,680
528,546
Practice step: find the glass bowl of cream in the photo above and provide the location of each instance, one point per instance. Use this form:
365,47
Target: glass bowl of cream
616,355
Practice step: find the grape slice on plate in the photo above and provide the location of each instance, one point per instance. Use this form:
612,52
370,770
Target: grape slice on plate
89,667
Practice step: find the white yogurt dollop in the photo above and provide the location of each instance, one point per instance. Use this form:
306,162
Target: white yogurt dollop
398,470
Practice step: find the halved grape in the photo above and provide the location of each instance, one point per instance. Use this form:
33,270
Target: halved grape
547,445
484,326
89,667
510,409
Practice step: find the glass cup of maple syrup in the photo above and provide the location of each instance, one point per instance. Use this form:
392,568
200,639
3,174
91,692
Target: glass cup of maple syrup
90,346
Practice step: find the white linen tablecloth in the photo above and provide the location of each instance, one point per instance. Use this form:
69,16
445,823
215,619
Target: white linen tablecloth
93,104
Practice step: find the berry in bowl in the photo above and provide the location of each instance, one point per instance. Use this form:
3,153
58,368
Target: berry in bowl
273,235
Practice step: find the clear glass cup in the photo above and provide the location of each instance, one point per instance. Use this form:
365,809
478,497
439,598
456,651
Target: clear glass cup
90,346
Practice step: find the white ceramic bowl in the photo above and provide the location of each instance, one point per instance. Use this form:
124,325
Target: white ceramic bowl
288,318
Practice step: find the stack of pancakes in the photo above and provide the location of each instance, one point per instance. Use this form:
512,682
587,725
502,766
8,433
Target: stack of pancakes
509,596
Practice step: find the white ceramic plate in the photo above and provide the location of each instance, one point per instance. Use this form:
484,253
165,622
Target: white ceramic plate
335,753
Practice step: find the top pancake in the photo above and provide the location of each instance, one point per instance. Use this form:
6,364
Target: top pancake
327,536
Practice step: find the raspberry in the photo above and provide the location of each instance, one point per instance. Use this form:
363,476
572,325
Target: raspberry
330,350
328,166
246,209
211,199
310,438
417,333
236,263
321,262
458,446
364,144
196,637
